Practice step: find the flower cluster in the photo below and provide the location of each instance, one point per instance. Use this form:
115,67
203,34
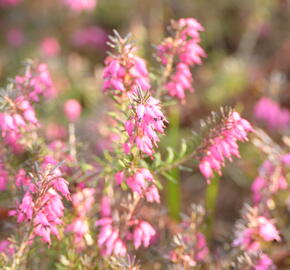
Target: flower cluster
255,230
143,233
42,202
147,121
184,46
82,201
187,252
20,118
141,182
35,82
271,179
125,71
109,239
190,247
254,261
269,112
6,247
223,144
80,5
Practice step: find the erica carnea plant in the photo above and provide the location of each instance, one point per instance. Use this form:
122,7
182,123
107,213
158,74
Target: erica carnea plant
106,210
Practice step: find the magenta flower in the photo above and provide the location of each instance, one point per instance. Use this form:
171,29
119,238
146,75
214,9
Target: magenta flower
201,247
82,201
80,5
264,263
72,109
271,179
92,37
267,230
36,82
143,233
223,144
125,72
184,46
109,240
6,247
50,47
256,230
42,204
141,182
271,114
147,122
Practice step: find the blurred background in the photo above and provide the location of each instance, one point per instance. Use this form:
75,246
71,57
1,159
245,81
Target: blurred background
248,57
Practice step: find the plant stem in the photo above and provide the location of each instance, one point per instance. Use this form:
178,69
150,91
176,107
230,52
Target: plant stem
211,204
20,255
173,188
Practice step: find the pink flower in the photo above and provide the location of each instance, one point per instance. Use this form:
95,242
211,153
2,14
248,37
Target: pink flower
92,37
152,194
55,131
42,204
72,109
141,182
125,72
142,129
119,176
105,207
264,263
50,47
271,179
80,5
271,114
83,200
185,47
223,144
109,240
26,208
36,82
256,230
201,248
61,185
80,228
6,247
143,234
267,230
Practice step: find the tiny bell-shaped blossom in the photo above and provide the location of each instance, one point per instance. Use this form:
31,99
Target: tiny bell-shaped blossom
143,234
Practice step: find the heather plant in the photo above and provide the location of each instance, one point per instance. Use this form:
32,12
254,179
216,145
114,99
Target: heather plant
87,210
